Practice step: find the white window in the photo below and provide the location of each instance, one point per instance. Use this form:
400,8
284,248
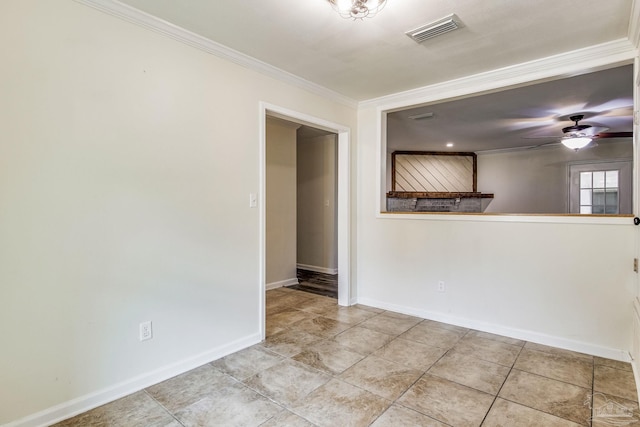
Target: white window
599,192
600,188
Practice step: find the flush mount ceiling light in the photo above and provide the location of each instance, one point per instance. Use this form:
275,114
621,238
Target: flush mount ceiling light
357,9
575,142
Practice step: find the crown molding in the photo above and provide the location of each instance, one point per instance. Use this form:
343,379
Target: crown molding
145,20
592,58
634,24
565,64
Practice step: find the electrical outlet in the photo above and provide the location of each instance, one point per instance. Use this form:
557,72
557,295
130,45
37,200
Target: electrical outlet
146,332
635,265
441,287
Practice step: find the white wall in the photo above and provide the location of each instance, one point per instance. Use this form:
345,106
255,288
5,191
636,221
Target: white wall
561,283
317,210
535,181
126,162
280,203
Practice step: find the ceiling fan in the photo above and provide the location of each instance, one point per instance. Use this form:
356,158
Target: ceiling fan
579,136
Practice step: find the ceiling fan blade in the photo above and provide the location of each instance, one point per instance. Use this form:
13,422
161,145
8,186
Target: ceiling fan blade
542,137
591,145
590,132
594,130
620,111
613,135
546,144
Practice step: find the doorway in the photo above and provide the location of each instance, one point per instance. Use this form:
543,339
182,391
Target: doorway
342,199
316,208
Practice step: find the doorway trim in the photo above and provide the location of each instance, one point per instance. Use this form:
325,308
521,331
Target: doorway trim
344,198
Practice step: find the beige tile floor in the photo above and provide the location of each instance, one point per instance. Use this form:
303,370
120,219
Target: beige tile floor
325,365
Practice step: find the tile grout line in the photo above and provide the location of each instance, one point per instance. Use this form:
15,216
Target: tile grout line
418,379
541,376
448,352
337,375
503,383
280,404
427,321
163,407
330,374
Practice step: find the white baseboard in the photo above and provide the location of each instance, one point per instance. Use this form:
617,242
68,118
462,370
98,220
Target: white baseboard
281,283
521,334
317,269
93,400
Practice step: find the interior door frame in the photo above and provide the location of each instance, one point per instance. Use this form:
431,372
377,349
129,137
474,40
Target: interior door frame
343,198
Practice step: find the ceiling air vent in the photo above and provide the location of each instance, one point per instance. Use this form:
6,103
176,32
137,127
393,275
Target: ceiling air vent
436,28
421,116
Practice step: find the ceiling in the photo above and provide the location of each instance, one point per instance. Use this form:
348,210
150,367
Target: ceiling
370,58
523,117
363,60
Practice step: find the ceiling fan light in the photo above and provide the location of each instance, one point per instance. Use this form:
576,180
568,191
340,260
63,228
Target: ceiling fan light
343,5
357,9
576,143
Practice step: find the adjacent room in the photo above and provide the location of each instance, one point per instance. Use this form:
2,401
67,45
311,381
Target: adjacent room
319,213
301,214
518,138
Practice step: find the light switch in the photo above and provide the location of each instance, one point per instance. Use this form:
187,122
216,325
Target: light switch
253,200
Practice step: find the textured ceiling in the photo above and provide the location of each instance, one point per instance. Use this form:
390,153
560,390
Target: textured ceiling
371,58
367,59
